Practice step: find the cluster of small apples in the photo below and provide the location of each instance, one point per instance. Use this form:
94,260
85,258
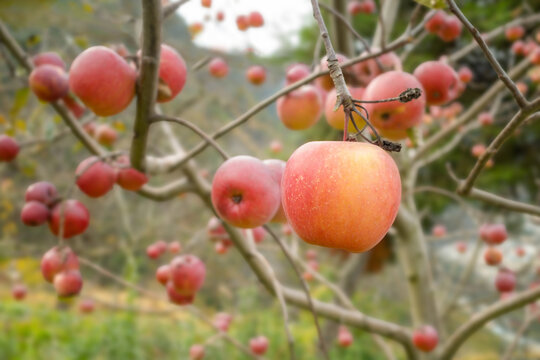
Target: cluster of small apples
60,266
446,26
182,277
42,205
312,263
96,177
217,233
253,20
493,235
160,247
356,7
218,67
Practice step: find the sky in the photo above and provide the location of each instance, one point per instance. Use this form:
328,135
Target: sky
283,19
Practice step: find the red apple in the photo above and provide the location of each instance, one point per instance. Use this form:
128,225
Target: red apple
195,28
493,234
216,230
328,199
461,247
367,70
425,338
505,281
393,119
220,16
258,345
450,29
49,82
56,260
277,167
176,297
367,6
172,74
153,251
485,118
102,80
18,291
242,22
435,24
256,74
206,3
296,72
218,67
301,108
174,247
514,33
344,338
95,177
493,256
50,58
9,148
440,82
439,230
105,135
196,352
76,218
68,283
127,177
187,274
163,274
34,213
244,192
354,7
336,119
87,306
276,146
221,247
465,74
255,19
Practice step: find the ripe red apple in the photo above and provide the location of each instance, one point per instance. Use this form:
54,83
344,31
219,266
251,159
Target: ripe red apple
478,150
222,321
326,81
102,80
242,22
461,247
50,58
42,191
255,19
439,230
465,74
425,338
450,29
196,352
276,146
9,148
435,24
344,338
127,177
68,283
163,274
258,345
493,234
49,82
296,72
95,177
534,56
485,118
87,306
520,252
174,247
329,200
18,291
56,260
493,256
367,6
256,74
206,3
440,82
393,119
244,192
218,67
34,213
187,274
367,70
277,167
505,281
301,108
76,218
221,247
336,119
220,16
172,74
176,297
354,7
105,135
153,251
518,48
514,33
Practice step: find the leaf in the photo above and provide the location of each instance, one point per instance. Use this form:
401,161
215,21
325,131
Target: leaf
21,98
434,4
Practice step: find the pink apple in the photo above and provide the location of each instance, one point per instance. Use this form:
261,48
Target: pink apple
301,108
68,283
440,82
172,74
56,260
493,256
505,281
425,338
256,74
258,345
95,177
218,67
344,338
42,191
50,58
277,167
336,119
49,82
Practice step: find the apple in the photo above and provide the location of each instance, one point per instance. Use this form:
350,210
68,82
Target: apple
222,321
215,229
258,345
514,33
354,7
255,19
286,229
535,56
195,29
242,22
440,82
76,218
367,6
505,281
206,3
256,74
276,146
172,74
95,177
43,192
9,148
196,352
344,338
102,80
450,29
520,252
336,119
220,16
393,119
176,297
439,230
258,234
68,283
277,167
301,108
49,82
327,180
244,192
465,74
218,67
425,338
174,247
326,81
367,70
478,150
187,274
56,260
493,234
163,274
153,251
127,177
436,23
522,87
221,247
461,247
34,213
105,135
485,118
493,256
87,306
18,291
296,72
50,58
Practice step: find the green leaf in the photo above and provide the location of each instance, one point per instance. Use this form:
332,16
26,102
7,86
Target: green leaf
21,98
